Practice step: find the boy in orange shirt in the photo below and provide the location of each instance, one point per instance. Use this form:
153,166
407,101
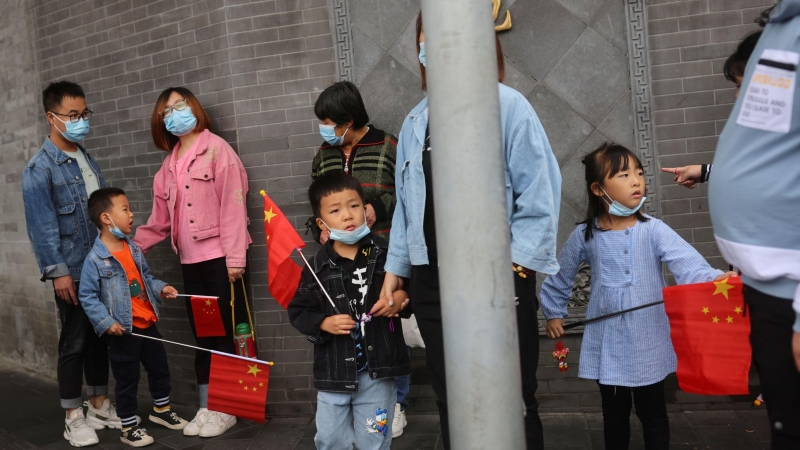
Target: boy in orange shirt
121,297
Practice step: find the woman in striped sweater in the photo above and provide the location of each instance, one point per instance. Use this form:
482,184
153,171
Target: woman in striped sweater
353,147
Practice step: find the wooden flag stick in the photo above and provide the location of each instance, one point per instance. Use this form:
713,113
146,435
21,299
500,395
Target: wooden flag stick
269,363
599,318
310,269
196,296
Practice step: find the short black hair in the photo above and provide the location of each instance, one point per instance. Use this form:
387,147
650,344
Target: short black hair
735,64
328,184
341,102
54,94
101,201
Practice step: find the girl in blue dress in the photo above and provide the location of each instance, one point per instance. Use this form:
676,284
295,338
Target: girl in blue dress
631,354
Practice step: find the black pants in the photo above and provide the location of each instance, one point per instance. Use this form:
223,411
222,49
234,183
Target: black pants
424,294
651,408
80,353
211,278
771,320
125,353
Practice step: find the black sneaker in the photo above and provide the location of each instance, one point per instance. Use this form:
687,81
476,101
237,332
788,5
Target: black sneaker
168,419
136,437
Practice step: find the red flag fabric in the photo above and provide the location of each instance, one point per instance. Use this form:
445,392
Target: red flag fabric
207,320
238,387
282,240
711,336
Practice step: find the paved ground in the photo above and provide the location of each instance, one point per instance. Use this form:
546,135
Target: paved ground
30,419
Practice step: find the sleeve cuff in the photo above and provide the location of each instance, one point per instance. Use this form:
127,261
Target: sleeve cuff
380,209
396,267
235,262
56,271
796,326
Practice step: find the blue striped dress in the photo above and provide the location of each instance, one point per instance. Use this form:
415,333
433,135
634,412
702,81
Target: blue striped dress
632,349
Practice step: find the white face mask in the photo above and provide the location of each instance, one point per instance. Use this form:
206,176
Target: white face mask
618,209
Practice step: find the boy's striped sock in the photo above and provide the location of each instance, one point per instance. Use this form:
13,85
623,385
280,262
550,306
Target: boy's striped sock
128,422
161,404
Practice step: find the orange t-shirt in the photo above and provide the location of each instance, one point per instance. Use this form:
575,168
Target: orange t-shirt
141,309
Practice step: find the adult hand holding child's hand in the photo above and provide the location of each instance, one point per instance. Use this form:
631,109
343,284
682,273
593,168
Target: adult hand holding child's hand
383,308
338,324
555,328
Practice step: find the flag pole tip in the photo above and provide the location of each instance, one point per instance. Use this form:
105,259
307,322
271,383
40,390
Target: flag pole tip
263,193
271,363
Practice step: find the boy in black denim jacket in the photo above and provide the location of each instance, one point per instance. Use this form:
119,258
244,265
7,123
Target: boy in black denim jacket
359,346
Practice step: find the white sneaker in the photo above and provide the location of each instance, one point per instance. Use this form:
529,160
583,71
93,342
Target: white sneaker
399,421
78,431
216,424
193,428
106,416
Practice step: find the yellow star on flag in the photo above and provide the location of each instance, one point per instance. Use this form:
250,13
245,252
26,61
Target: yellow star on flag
240,381
245,388
705,310
737,310
255,388
715,319
254,369
267,237
729,319
268,215
208,302
722,287
261,384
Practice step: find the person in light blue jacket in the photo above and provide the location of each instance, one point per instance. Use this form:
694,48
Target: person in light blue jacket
754,200
533,191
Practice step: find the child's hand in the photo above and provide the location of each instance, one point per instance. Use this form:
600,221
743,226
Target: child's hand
726,275
169,292
115,330
555,328
338,324
383,308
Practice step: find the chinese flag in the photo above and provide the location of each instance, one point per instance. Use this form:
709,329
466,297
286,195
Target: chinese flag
282,240
238,387
711,336
207,321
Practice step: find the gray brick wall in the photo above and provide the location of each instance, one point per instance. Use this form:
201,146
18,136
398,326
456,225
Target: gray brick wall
689,42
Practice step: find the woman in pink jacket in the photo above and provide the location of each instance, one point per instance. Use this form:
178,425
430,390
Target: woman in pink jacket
199,200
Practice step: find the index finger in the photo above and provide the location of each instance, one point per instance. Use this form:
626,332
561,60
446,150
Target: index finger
669,169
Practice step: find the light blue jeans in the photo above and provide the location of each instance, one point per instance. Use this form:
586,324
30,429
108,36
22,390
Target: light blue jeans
346,418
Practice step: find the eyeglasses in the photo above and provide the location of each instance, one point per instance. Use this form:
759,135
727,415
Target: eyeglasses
180,105
86,115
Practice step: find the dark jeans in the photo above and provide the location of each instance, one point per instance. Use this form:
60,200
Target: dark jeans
771,320
651,408
211,278
125,353
424,294
80,353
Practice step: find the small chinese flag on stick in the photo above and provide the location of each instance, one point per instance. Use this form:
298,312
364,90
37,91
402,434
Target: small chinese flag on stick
238,387
282,240
207,320
711,336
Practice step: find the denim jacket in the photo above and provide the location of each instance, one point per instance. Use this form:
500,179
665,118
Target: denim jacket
533,189
335,355
104,290
56,210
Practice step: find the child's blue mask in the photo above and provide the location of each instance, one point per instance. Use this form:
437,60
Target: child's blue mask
115,230
618,209
349,237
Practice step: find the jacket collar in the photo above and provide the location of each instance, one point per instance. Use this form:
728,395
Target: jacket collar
101,249
373,137
328,256
58,155
201,146
419,117
785,11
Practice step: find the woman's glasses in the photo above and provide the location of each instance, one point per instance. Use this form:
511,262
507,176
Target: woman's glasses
180,105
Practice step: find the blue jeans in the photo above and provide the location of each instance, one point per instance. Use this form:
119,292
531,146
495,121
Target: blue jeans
344,418
403,385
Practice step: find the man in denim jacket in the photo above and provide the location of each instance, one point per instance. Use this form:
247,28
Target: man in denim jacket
56,184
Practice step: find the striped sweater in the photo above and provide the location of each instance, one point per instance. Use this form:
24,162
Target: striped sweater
371,162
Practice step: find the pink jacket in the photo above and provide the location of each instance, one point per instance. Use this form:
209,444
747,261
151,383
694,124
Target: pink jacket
214,200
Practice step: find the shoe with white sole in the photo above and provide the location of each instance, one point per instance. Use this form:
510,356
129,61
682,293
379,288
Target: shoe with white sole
105,416
399,422
193,428
168,419
78,431
136,437
216,424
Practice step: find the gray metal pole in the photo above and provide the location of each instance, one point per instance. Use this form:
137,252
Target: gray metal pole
477,289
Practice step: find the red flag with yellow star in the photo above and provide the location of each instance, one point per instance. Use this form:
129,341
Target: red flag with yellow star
711,336
238,387
207,320
282,239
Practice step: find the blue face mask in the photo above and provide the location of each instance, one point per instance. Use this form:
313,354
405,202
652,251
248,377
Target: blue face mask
328,132
181,123
349,237
76,131
618,209
422,54
115,230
